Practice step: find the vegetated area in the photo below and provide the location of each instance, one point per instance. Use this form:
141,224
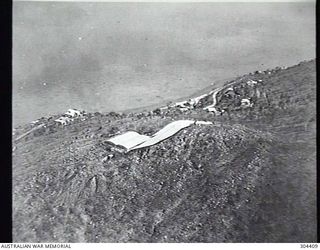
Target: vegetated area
249,177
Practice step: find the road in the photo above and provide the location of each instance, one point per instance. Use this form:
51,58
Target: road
26,133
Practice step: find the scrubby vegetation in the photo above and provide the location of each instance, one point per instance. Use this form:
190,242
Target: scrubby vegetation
250,177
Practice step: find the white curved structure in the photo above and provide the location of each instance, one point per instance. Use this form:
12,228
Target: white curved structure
165,133
132,140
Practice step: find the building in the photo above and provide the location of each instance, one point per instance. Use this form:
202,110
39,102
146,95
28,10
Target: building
251,83
132,140
73,113
63,120
126,141
246,103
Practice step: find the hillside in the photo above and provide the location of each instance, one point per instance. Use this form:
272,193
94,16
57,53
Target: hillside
250,177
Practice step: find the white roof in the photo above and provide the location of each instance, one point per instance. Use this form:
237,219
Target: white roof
195,100
165,133
133,140
35,121
203,123
73,110
129,139
229,89
245,100
251,81
212,109
184,109
181,104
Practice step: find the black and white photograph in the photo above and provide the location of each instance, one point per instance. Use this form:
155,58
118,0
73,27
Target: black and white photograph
164,122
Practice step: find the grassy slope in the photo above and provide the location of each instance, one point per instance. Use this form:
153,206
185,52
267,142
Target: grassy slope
248,178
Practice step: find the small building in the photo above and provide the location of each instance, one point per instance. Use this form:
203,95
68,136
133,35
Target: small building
108,157
252,83
203,123
184,109
164,108
212,109
181,104
194,101
63,120
35,122
73,113
128,140
229,92
229,89
246,103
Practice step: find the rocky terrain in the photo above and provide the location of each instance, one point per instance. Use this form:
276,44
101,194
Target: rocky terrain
249,177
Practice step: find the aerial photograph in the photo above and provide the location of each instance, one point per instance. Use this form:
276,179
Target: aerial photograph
164,122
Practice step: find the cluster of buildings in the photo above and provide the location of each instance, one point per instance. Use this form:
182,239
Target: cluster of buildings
69,116
236,93
241,95
227,91
191,103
